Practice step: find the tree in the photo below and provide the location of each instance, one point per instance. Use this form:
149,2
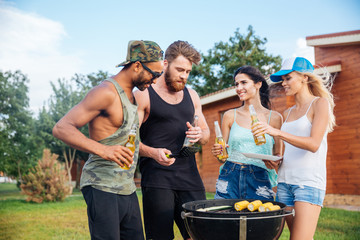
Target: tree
215,72
18,142
85,83
22,137
47,181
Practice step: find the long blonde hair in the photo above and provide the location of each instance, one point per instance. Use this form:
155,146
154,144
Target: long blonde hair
320,86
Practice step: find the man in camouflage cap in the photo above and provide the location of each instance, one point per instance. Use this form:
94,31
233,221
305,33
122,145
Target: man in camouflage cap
107,179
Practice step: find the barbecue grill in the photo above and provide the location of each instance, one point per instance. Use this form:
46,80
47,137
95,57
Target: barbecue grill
230,224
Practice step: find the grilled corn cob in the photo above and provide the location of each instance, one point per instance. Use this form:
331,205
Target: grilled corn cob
241,205
254,205
263,206
272,208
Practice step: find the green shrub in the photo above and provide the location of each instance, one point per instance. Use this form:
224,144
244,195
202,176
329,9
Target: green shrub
47,181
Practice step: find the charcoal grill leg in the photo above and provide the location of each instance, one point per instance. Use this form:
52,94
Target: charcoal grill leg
242,228
185,217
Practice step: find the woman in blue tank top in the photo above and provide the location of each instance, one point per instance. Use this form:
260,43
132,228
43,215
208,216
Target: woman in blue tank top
240,176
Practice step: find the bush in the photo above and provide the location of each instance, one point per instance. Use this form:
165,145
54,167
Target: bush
47,181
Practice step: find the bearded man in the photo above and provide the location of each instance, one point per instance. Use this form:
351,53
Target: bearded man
166,110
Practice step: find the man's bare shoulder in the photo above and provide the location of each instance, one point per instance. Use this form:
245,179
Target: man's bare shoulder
192,92
102,95
142,97
139,94
194,95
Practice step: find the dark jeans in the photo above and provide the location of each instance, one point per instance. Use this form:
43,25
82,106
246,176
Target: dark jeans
162,207
113,216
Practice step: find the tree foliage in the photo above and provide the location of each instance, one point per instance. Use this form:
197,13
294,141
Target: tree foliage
47,181
215,72
86,82
23,137
19,145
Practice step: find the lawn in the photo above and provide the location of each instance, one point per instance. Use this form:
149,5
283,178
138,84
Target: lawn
68,220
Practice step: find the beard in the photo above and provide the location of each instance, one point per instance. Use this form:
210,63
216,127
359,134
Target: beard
140,83
172,84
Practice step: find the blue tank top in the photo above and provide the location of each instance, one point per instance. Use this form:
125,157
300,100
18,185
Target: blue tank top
241,140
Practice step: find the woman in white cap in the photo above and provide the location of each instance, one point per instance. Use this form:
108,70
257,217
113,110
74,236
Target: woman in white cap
302,174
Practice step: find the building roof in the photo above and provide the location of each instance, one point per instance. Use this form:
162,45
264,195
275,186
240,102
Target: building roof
332,66
334,39
218,95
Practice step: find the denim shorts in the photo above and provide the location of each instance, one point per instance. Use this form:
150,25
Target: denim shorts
242,181
289,194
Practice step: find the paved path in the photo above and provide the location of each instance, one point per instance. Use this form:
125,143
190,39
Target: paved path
345,207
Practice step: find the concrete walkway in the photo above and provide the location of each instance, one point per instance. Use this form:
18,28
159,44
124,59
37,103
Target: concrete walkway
345,207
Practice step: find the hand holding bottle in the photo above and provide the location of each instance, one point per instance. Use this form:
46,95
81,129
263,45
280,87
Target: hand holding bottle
130,144
258,138
261,128
119,154
219,148
193,134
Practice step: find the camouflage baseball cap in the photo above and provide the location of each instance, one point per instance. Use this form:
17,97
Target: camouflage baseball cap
143,51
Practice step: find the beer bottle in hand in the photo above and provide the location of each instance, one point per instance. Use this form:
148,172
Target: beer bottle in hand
219,140
259,140
187,142
130,143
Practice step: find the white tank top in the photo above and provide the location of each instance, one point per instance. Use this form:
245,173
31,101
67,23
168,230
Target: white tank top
302,167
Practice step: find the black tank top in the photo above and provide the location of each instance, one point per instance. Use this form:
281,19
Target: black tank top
165,128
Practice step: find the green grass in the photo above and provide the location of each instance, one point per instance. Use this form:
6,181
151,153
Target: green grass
22,220
67,220
337,224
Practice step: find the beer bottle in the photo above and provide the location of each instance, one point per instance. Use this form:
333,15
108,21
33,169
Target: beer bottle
260,140
219,139
130,143
187,142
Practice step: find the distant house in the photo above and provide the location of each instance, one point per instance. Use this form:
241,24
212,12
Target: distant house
339,53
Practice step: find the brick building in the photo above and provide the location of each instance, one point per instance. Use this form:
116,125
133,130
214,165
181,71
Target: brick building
339,53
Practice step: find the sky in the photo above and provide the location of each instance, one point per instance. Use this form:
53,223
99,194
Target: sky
49,40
